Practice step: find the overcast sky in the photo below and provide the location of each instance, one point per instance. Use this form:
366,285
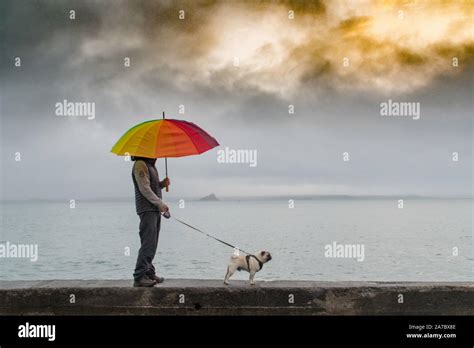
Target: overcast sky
398,51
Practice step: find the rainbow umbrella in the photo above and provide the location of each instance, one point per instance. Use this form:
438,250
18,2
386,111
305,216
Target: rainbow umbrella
164,138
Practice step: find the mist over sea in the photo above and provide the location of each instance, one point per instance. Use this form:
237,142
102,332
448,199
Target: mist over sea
427,240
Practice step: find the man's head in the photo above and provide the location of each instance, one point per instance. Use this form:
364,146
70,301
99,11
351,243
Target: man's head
145,159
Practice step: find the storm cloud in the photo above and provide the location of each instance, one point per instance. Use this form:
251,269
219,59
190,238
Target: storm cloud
288,47
237,68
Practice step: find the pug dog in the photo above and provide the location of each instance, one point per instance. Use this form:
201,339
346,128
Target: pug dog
249,263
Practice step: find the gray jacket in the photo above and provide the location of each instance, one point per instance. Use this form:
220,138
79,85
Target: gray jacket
147,187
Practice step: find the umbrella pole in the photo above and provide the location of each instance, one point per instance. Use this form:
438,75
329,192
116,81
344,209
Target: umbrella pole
166,161
166,171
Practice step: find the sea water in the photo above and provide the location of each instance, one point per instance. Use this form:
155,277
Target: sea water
426,240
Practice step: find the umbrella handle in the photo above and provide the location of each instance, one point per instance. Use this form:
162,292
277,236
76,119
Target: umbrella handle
167,189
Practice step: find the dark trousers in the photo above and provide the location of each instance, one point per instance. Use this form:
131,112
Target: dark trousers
150,222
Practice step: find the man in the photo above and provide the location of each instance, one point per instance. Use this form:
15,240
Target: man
149,207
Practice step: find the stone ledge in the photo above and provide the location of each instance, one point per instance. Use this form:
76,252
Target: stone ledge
211,297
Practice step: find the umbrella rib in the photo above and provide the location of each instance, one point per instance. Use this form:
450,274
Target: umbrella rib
178,124
152,124
203,134
167,124
129,134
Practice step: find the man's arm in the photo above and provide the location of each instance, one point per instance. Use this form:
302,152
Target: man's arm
142,177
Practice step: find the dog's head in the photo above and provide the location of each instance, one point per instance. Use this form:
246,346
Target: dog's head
265,256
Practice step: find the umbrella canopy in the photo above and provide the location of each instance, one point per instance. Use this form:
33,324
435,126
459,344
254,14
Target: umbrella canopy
164,138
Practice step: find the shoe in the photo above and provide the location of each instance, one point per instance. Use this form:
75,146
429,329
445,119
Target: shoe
157,279
145,282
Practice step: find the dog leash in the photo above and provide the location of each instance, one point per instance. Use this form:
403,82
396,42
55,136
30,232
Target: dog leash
206,234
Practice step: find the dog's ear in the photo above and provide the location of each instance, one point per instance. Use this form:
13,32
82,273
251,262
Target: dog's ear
262,253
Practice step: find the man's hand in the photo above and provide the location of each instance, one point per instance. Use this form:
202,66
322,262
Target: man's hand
165,182
164,208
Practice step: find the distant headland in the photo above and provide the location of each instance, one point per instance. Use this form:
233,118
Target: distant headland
210,198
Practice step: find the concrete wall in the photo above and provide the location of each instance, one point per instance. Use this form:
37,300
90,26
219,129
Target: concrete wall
211,297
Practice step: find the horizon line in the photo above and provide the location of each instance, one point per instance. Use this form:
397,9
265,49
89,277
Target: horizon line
260,197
